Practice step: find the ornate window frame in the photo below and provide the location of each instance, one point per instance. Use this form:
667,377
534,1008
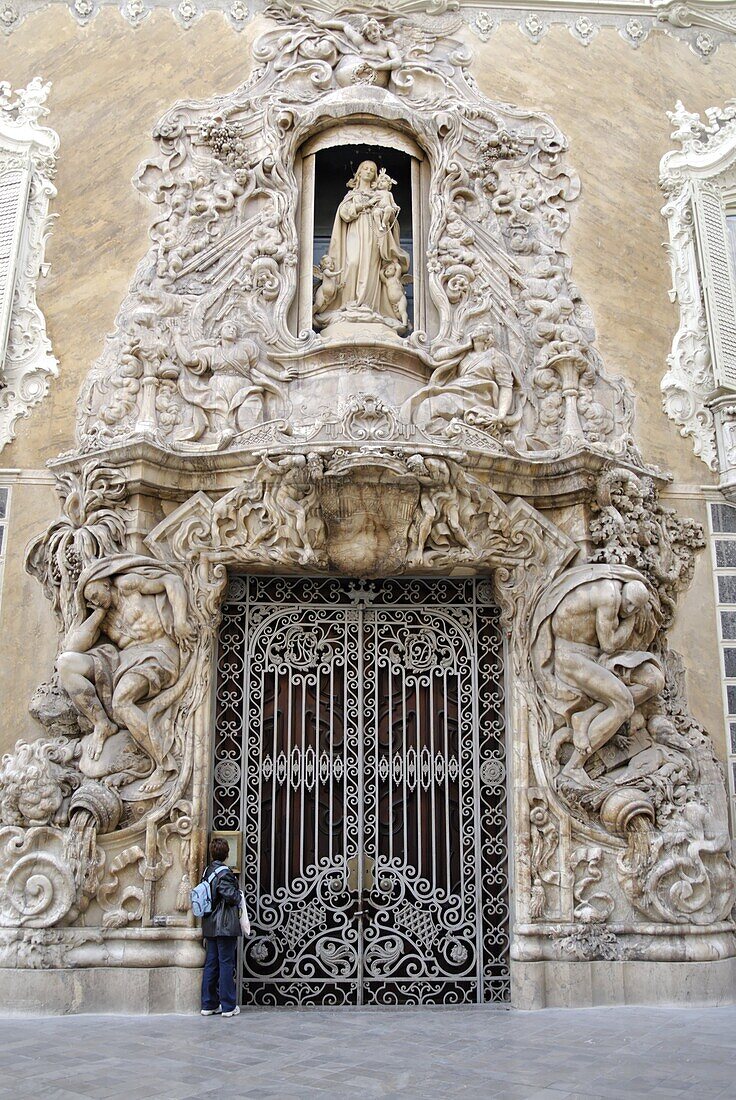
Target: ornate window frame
699,388
27,165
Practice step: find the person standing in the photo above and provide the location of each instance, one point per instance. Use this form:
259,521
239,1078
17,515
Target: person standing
220,928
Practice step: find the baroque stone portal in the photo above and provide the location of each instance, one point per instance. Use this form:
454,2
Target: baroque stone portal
220,430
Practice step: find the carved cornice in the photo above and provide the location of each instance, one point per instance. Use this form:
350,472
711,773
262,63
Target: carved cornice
150,469
704,25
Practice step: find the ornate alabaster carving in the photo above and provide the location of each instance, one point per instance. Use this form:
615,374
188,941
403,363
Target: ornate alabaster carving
615,740
213,434
630,526
696,178
362,272
653,800
129,672
27,168
592,904
92,526
127,659
207,356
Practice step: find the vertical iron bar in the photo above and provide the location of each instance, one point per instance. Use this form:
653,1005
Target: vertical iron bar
274,779
448,835
317,765
302,788
478,891
405,800
433,819
390,733
360,732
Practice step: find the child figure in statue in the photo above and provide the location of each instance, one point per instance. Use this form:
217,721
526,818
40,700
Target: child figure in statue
331,283
385,210
365,242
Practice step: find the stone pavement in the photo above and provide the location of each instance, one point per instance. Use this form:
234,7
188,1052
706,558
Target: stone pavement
426,1052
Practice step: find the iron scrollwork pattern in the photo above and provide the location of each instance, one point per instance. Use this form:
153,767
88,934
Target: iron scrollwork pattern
359,745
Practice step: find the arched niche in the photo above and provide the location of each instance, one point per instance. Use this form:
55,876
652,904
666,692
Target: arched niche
323,165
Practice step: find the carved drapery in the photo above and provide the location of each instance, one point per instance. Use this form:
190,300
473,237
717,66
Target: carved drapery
212,436
647,793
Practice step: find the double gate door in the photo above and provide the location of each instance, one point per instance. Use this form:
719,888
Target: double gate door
359,747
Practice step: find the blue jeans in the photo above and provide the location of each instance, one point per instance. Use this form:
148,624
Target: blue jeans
218,977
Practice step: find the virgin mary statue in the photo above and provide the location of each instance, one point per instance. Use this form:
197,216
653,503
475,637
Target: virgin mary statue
363,271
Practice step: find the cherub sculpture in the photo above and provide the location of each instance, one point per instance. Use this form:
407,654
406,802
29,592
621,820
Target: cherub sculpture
331,283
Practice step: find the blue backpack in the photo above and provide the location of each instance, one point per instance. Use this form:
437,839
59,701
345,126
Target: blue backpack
200,897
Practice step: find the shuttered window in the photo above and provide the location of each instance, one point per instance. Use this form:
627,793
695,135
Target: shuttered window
718,275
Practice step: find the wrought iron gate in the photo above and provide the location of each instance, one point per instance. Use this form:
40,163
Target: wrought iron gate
359,746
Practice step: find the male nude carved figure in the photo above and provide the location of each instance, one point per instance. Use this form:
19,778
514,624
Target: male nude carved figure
124,654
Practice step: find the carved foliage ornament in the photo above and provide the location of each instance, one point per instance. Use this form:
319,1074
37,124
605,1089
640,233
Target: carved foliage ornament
613,749
623,799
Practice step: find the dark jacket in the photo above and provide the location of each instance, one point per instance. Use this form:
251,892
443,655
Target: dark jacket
224,919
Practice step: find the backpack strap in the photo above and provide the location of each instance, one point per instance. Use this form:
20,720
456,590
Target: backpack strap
213,874
212,877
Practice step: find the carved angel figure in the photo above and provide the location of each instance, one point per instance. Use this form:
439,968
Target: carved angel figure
127,658
478,389
293,521
444,514
365,249
331,283
367,53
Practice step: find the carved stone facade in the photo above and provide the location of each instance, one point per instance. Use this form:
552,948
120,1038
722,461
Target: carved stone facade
220,430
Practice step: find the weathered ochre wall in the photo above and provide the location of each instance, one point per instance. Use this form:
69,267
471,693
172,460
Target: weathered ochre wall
111,82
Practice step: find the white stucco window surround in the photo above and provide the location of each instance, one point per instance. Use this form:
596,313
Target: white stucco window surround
699,387
27,164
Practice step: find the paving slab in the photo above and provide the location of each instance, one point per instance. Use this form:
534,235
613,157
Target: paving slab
329,1054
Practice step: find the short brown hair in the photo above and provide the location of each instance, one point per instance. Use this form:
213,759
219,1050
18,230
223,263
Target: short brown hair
219,848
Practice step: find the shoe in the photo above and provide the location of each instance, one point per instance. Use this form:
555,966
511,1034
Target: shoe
233,1012
210,1011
